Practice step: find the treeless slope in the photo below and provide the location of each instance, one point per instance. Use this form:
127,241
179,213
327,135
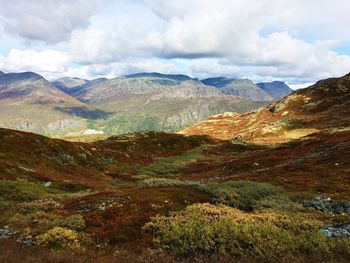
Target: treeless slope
89,164
325,105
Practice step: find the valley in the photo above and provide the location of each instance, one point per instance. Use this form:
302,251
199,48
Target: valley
263,186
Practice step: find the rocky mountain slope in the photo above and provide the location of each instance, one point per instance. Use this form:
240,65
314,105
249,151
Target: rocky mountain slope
276,89
323,106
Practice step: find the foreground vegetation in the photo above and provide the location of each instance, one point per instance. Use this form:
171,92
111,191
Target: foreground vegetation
153,197
268,235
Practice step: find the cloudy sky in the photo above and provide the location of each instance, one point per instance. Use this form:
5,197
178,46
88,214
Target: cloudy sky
296,41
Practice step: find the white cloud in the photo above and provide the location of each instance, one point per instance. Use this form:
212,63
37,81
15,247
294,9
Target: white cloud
239,31
49,21
94,46
291,40
29,60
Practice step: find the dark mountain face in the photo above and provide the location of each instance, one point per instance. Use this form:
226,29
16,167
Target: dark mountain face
9,78
217,81
1,73
276,89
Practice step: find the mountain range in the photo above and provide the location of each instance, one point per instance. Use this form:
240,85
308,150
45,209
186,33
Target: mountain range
143,101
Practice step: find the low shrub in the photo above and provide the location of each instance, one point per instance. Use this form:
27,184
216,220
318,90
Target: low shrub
45,221
244,195
163,182
46,204
279,202
4,204
75,222
59,237
210,229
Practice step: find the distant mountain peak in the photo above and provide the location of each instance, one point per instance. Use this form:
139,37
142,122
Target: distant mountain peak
276,89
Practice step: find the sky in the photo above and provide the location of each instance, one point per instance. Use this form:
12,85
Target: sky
295,41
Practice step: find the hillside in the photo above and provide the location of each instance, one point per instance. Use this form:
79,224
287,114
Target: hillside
323,106
120,192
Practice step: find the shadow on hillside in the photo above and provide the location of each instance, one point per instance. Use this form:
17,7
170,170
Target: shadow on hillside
85,112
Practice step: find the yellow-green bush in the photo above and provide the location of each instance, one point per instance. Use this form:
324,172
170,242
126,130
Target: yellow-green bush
163,182
46,204
75,222
207,228
59,237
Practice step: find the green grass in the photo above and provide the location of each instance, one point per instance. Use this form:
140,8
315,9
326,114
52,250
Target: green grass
22,190
168,166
